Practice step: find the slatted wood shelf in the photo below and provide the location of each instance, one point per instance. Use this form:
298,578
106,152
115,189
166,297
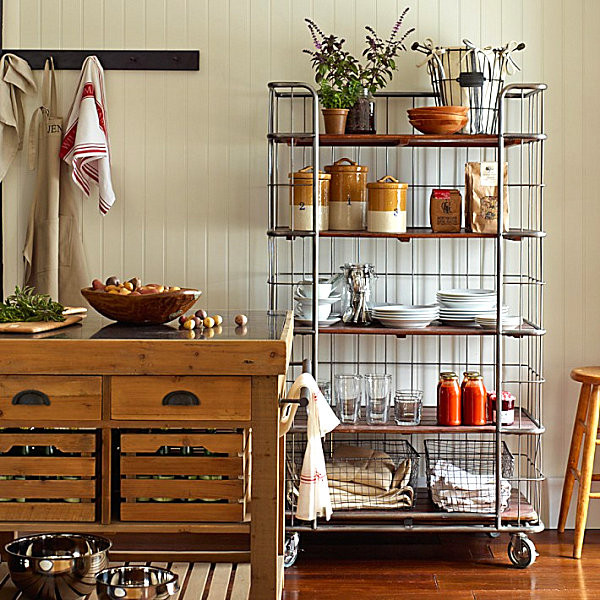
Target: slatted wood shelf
456,140
523,425
215,581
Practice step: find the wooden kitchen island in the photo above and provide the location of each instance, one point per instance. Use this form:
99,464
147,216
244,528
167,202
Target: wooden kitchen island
116,429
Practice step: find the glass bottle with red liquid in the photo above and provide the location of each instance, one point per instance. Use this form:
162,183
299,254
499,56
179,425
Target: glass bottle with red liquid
474,400
449,401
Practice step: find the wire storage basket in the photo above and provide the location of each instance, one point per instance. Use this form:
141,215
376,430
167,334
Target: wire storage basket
461,475
365,473
470,76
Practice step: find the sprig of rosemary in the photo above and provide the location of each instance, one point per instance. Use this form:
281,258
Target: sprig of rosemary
25,305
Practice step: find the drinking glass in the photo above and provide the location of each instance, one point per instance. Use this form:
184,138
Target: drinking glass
325,387
377,392
348,396
407,407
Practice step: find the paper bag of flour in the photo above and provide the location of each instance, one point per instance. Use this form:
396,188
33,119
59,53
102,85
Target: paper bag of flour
481,197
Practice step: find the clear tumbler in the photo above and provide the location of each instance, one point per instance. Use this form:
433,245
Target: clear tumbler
378,389
347,397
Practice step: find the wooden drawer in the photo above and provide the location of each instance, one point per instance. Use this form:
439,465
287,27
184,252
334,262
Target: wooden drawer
47,398
48,476
181,398
184,476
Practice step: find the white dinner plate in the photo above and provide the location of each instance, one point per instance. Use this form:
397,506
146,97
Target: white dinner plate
328,300
466,293
307,322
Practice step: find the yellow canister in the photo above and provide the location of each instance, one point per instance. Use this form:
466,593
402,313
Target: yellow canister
348,195
387,206
301,200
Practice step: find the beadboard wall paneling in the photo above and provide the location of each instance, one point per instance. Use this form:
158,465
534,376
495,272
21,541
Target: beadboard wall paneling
189,154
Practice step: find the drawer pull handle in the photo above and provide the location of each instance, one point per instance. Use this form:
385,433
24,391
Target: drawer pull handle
181,398
31,398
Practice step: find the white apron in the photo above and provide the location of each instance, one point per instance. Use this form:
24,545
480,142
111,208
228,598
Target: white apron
54,256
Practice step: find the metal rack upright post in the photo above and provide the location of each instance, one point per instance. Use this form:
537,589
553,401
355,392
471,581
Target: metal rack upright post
415,265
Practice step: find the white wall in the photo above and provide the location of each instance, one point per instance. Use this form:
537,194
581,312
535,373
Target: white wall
189,153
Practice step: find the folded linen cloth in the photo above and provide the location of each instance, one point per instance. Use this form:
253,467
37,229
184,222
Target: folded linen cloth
456,490
313,496
346,495
16,79
362,465
393,499
86,146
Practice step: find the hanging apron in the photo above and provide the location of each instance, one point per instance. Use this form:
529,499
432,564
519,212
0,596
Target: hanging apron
54,256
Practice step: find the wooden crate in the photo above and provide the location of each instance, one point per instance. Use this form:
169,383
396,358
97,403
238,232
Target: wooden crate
184,476
48,476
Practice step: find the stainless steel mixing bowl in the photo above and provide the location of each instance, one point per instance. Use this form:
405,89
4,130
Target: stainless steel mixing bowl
57,566
141,583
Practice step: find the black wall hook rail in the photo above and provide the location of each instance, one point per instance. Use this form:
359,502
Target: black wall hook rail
114,60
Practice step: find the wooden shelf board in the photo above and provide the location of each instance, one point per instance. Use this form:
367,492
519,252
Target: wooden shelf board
377,329
426,512
523,425
456,140
411,233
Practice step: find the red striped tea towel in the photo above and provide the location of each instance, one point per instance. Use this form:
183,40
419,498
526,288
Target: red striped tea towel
85,146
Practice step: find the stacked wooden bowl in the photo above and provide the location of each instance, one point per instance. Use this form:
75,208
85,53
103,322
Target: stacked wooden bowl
439,120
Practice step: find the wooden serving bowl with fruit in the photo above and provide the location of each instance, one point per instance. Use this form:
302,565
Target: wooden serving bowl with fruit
132,302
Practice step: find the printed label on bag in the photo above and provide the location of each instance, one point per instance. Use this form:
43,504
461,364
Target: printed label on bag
489,174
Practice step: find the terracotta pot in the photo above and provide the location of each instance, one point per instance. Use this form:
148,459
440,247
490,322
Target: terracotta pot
347,195
387,206
301,199
335,120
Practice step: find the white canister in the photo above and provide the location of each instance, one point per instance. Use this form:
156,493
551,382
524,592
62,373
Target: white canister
387,206
301,200
348,195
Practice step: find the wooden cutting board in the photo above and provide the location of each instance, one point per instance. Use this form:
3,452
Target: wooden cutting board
39,326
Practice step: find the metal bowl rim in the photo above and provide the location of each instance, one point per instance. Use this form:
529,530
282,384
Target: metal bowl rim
96,538
174,577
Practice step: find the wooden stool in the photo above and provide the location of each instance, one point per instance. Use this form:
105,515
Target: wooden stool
586,422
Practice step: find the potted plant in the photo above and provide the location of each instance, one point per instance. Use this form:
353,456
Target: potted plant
336,71
347,87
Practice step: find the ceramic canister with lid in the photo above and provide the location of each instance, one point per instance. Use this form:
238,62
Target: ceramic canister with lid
301,200
387,206
348,195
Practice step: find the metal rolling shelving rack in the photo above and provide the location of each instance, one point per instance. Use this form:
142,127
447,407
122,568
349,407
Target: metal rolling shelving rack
411,267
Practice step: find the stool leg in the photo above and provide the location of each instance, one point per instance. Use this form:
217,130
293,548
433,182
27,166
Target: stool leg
576,439
587,466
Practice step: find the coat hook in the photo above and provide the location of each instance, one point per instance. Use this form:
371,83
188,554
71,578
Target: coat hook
133,59
175,58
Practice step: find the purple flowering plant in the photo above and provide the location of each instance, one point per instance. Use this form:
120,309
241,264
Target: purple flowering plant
341,76
380,55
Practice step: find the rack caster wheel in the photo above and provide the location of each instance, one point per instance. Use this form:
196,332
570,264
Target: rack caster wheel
521,551
290,551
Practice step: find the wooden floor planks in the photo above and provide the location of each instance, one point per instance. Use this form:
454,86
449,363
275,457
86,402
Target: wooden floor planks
198,581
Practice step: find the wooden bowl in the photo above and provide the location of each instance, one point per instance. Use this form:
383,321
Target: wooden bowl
439,126
147,309
438,110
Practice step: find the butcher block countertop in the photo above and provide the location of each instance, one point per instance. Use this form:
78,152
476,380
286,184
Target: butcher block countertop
259,348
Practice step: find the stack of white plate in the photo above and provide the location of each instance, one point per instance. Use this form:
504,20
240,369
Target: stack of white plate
508,321
461,307
406,316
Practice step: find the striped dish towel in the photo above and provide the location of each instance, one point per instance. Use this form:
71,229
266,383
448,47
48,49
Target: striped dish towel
85,146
